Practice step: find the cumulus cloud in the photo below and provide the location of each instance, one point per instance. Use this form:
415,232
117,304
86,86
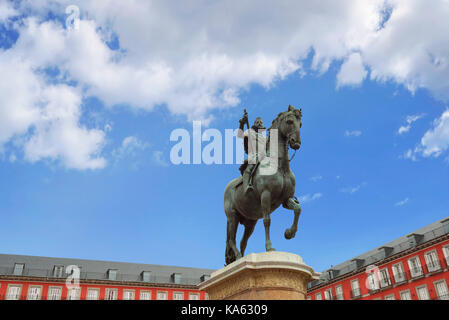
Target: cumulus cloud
401,203
434,142
192,58
410,119
310,197
354,133
352,71
354,189
130,147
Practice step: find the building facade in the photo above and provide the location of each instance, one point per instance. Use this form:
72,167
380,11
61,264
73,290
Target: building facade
42,278
413,267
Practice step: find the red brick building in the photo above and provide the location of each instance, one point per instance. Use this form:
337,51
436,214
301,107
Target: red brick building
42,278
413,267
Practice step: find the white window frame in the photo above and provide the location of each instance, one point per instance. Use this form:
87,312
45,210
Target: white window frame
51,295
158,295
328,294
390,297
384,278
15,296
415,272
409,295
446,253
74,293
111,294
194,294
399,275
339,294
146,292
177,295
58,271
373,281
441,295
355,288
318,296
418,290
129,294
31,295
90,297
432,260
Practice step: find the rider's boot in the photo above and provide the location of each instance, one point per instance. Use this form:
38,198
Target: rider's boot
247,183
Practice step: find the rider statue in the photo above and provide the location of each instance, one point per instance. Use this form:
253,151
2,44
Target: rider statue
255,146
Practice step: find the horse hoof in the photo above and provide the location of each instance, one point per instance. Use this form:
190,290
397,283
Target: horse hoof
289,234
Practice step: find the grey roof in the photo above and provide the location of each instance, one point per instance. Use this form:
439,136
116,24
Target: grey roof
418,237
98,270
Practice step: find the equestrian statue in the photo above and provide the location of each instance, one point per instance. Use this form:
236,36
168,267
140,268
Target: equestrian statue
266,181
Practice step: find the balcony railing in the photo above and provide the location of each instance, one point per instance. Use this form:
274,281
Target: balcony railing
384,283
416,272
443,297
434,266
400,277
339,296
355,293
31,272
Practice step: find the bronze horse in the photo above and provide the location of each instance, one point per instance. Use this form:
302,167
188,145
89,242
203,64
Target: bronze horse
270,190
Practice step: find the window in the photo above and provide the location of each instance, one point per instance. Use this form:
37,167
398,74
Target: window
441,290
162,295
328,294
58,271
112,274
176,278
373,281
34,293
146,276
18,269
398,273
92,294
145,295
446,253
318,296
432,262
405,295
74,293
128,294
111,294
339,293
13,292
422,292
390,297
384,278
54,293
415,267
309,298
355,289
206,296
178,296
194,296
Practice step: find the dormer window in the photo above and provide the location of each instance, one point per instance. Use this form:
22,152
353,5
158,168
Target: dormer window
176,278
146,276
205,277
58,271
112,274
18,269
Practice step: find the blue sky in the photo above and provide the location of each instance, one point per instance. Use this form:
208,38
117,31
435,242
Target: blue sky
86,117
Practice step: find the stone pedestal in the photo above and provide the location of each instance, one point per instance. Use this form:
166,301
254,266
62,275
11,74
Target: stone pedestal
261,276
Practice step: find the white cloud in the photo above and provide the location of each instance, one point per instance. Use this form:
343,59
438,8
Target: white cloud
129,147
401,203
316,178
354,133
310,197
193,58
6,11
410,119
158,157
352,71
352,190
434,142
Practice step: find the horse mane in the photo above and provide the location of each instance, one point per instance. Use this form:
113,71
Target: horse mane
281,116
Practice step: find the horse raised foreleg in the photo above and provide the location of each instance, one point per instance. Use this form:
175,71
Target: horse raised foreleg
292,204
265,198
